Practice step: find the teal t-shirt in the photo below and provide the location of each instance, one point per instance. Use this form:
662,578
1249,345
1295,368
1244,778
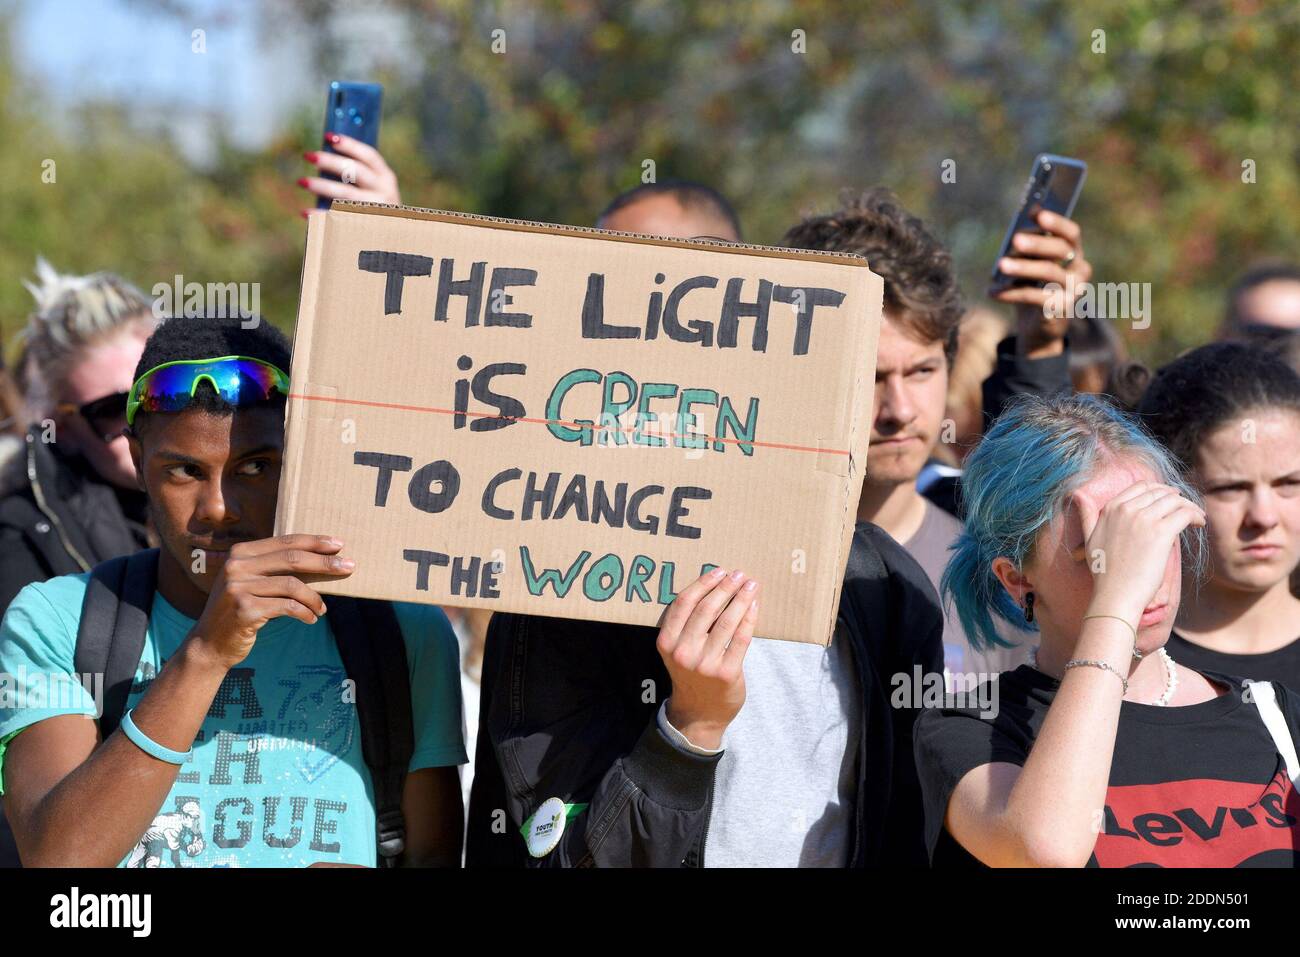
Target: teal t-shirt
277,778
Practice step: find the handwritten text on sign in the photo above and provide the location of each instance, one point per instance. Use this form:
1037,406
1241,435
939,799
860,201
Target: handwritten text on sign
526,361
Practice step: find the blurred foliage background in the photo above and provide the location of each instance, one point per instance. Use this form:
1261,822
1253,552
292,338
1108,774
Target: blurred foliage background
1165,100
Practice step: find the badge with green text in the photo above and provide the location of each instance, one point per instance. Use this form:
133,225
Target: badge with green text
542,831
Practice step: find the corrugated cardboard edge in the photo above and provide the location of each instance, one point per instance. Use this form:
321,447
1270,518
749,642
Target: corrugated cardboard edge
591,232
859,441
295,439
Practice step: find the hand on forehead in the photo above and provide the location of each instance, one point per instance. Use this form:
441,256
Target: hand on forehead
1082,507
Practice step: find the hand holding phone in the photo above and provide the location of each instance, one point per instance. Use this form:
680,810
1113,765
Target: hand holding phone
350,165
1044,246
371,180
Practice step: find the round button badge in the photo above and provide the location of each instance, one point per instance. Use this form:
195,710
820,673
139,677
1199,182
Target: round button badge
546,827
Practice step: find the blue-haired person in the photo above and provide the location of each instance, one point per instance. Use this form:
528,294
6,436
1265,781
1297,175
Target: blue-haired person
1103,751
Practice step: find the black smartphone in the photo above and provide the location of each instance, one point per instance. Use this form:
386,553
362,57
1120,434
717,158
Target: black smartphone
1054,184
352,109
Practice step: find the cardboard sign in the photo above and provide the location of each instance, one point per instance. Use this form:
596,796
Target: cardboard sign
571,422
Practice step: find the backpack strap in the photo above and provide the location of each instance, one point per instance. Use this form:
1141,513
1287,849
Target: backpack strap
370,643
114,621
1266,700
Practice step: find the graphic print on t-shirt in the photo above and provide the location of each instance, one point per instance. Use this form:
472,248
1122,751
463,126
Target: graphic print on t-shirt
169,836
314,686
241,792
1201,823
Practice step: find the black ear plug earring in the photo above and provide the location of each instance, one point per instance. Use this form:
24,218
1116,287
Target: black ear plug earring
1029,606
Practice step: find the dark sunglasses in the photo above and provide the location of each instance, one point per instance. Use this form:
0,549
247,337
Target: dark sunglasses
106,415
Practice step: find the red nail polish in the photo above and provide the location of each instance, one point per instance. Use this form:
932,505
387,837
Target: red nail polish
304,213
310,157
302,181
332,138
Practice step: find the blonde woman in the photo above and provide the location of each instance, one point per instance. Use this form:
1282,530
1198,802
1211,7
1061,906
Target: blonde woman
68,496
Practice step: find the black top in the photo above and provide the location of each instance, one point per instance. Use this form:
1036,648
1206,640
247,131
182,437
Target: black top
1200,785
1281,665
65,521
1013,374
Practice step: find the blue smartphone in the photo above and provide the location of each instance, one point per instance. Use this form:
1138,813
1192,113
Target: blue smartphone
1054,184
352,109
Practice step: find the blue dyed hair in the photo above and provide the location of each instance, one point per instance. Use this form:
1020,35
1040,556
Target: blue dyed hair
1039,452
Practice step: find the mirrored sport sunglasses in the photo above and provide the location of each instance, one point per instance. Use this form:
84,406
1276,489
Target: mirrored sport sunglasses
239,380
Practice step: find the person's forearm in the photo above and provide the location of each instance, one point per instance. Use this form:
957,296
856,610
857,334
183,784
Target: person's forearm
444,845
125,785
1056,804
1033,365
445,855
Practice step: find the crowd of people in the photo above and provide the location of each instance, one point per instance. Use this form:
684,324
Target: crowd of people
1106,552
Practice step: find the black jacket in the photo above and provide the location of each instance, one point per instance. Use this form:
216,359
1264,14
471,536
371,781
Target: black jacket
58,517
567,710
1013,374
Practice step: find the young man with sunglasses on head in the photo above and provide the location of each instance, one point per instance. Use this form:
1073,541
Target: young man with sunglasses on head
241,738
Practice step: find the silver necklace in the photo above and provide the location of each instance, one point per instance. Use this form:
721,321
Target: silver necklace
1171,675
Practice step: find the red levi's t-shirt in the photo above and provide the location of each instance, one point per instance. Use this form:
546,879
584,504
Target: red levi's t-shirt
1201,785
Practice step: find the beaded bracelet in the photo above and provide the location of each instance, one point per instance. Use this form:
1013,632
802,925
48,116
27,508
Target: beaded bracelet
1082,662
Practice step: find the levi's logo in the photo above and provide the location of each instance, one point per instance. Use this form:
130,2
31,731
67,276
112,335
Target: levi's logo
1200,823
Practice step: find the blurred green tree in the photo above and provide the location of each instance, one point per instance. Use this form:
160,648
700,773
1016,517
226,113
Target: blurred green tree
778,104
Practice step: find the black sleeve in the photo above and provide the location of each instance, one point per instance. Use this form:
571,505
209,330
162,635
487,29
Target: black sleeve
905,825
1013,374
889,601
568,710
918,633
20,565
950,744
